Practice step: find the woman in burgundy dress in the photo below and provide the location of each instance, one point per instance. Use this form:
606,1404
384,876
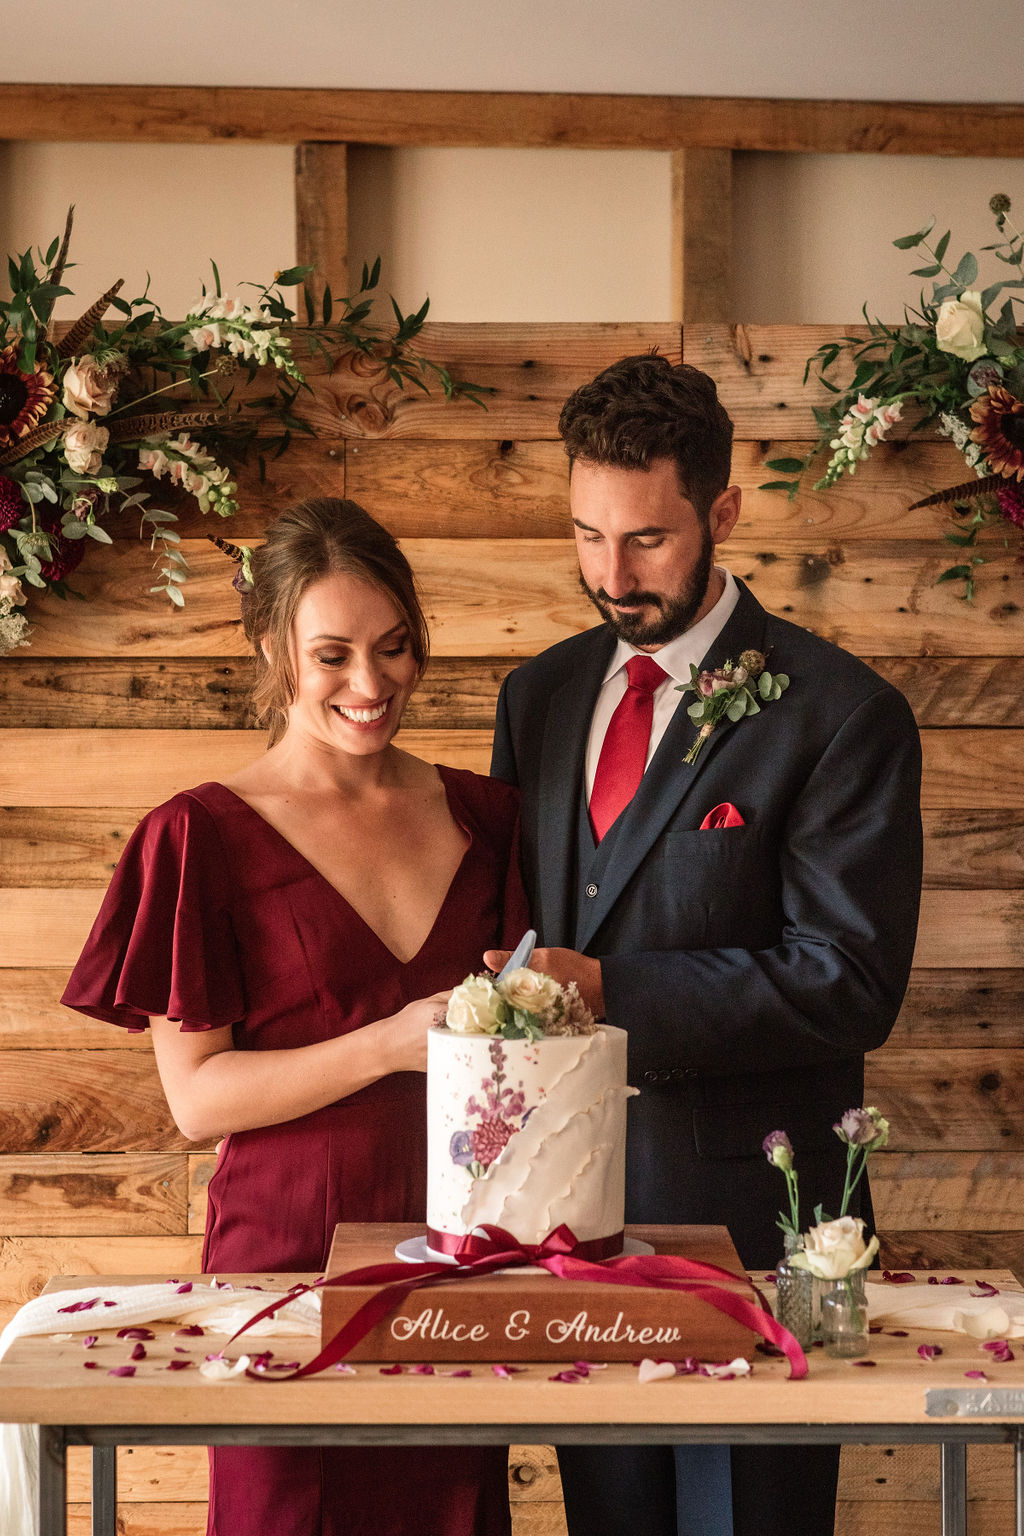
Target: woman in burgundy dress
290,935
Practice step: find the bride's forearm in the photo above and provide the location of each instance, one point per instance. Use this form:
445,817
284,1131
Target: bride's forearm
213,1089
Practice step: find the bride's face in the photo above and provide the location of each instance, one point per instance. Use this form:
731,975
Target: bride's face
354,665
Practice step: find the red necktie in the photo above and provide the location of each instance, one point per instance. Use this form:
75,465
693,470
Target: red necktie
624,750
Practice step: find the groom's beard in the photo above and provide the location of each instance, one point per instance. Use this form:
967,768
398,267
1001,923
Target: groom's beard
673,613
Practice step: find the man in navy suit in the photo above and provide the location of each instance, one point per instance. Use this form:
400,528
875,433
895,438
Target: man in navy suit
749,917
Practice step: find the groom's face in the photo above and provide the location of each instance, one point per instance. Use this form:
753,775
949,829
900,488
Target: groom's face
646,554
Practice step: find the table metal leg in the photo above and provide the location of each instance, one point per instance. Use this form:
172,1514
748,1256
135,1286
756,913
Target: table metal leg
104,1490
954,1488
53,1481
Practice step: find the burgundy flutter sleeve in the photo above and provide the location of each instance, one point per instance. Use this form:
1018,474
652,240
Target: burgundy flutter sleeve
163,942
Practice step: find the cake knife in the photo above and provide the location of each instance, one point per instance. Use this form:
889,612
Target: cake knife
520,955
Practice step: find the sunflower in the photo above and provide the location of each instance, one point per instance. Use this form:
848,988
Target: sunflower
25,398
1000,431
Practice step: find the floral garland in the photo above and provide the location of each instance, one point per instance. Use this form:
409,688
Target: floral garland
84,427
958,360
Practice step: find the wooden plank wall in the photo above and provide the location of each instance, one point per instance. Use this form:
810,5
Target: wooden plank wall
120,702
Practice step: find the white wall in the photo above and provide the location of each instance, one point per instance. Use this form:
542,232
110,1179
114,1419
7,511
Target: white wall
933,50
514,234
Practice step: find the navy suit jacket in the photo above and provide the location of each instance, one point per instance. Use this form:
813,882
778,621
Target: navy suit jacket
752,966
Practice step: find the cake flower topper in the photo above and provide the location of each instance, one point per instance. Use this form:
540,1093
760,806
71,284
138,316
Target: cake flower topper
518,1005
730,692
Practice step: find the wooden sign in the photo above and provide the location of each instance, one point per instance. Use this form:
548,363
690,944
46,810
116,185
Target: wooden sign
532,1315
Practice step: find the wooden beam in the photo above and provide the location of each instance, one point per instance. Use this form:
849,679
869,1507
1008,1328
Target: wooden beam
218,114
321,215
702,235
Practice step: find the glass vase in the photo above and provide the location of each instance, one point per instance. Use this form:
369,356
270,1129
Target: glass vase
795,1297
844,1316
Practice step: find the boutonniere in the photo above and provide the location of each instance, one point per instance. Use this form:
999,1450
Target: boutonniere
730,692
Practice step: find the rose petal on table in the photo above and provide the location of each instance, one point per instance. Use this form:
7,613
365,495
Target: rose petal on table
193,1331
976,1375
344,1369
136,1333
391,1370
110,1303
80,1306
727,1369
219,1369
91,1365
655,1370
863,1362
929,1351
567,1376
897,1277
89,1340
456,1373
422,1370
139,1352
1000,1350
179,1365
183,1290
982,1288
898,1333
121,1370
60,1338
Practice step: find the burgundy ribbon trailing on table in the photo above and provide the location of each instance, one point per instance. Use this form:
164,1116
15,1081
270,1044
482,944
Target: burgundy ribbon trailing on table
559,1255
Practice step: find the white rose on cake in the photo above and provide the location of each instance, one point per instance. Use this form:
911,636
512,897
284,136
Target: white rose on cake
531,991
475,1008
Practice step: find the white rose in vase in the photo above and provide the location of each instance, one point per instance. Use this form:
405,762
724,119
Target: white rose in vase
473,1008
835,1249
960,327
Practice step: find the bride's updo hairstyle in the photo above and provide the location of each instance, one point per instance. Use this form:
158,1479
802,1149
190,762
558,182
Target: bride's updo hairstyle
322,536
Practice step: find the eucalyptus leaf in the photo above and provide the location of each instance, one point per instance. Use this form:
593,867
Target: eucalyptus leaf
786,466
736,709
967,271
753,707
764,684
96,532
941,247
907,242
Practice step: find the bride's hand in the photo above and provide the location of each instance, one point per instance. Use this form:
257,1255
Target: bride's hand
405,1033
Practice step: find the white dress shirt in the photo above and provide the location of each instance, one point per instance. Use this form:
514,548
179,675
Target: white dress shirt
675,658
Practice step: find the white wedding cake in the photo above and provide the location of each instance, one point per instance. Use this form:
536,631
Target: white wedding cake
526,1130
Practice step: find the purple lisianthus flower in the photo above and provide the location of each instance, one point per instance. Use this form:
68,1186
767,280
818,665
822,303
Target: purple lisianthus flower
461,1148
778,1149
856,1128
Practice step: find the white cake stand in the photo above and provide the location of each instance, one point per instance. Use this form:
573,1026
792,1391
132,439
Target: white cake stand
416,1250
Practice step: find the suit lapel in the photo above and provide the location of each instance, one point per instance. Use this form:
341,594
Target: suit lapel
669,779
567,726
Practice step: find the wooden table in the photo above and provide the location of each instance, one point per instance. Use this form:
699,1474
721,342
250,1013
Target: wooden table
899,1398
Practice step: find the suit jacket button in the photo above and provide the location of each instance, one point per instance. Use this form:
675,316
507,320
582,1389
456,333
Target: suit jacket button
650,1077
591,890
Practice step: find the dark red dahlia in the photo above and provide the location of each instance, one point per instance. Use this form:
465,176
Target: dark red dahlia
1011,505
65,556
489,1138
12,504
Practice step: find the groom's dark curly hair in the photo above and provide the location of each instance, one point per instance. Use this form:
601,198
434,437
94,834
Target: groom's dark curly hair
645,408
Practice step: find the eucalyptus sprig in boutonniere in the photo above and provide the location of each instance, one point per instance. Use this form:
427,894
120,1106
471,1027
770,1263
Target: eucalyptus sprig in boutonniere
730,692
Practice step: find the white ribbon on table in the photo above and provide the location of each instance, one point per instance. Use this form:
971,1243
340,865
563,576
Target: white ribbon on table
948,1309
216,1309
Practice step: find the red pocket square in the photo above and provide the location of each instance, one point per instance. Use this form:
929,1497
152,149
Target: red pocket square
724,815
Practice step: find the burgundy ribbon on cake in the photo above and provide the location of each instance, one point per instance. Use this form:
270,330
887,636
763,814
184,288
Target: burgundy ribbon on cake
559,1255
466,1245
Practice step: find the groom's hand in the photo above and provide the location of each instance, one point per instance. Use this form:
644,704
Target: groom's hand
564,965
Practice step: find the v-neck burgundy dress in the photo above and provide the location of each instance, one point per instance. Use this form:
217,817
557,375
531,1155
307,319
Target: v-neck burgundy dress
214,918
